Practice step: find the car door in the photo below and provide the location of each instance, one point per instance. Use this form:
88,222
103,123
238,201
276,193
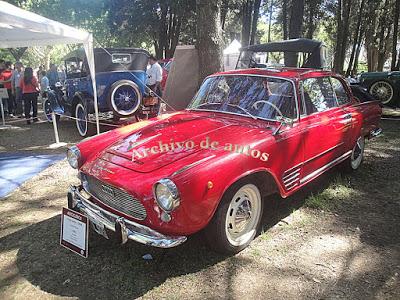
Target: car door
351,115
325,124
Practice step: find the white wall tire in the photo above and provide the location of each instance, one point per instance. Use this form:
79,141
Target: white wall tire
81,120
125,98
236,221
382,91
357,154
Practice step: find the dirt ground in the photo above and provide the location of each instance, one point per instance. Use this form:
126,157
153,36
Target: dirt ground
337,239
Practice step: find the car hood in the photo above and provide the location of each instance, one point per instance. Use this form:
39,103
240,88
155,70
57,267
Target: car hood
178,136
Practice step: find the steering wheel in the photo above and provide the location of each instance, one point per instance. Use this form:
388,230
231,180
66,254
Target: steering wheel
270,104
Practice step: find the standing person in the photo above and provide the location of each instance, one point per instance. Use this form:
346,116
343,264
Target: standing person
15,81
30,87
52,74
154,75
39,73
5,79
44,84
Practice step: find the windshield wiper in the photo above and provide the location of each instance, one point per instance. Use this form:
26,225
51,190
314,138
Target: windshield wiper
243,109
207,103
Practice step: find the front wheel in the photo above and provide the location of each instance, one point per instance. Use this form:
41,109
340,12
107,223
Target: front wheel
48,110
236,220
82,120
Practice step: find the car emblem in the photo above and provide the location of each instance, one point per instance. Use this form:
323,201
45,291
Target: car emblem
108,190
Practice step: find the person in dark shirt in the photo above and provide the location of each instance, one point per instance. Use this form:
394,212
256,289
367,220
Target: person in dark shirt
52,75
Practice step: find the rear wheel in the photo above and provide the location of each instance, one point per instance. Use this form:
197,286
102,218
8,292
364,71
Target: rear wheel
236,220
357,156
382,91
82,120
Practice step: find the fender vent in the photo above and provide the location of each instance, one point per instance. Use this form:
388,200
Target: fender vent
291,178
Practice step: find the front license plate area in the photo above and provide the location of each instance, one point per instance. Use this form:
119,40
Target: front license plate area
98,227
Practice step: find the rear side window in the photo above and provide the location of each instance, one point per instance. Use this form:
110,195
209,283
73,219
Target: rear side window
318,95
340,91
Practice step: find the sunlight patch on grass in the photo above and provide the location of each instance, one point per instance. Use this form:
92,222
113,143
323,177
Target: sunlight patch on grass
339,191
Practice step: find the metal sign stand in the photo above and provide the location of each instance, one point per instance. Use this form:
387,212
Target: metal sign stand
57,144
2,115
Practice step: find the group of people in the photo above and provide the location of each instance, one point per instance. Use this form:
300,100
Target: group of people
23,88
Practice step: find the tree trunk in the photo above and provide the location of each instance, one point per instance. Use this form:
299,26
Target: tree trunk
311,26
284,19
381,45
339,34
209,38
247,9
256,14
270,20
295,29
356,39
395,33
17,52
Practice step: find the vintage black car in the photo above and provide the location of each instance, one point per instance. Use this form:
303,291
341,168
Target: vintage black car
121,86
383,86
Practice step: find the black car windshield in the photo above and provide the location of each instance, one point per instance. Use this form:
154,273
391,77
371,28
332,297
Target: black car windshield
252,96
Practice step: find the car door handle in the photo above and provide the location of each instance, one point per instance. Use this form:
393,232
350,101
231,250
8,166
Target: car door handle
347,116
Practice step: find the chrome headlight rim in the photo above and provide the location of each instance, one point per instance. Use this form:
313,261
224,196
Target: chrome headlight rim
173,191
74,157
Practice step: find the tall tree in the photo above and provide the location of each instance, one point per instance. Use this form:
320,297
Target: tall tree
209,39
356,39
295,29
342,22
395,34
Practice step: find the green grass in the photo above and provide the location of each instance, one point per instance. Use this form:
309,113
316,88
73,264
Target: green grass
338,191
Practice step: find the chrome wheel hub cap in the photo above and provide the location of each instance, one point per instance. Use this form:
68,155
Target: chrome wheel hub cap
243,214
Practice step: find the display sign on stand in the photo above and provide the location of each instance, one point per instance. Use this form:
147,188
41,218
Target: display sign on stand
3,95
74,232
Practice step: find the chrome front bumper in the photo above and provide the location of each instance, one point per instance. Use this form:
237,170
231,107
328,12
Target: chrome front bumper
125,229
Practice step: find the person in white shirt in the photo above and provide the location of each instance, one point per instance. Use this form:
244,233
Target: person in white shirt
16,77
44,84
154,75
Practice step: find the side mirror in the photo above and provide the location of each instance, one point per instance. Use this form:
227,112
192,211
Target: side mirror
282,121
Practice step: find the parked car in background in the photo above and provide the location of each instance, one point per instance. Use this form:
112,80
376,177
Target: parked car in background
121,90
384,86
166,65
246,135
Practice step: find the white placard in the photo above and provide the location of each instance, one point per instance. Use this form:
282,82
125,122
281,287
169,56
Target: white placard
74,231
3,93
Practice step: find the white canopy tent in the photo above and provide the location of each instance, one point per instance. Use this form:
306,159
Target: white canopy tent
21,28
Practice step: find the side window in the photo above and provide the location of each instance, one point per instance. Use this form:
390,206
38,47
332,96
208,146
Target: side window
318,95
340,91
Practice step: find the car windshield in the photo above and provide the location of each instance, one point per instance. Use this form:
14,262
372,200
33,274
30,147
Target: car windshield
252,96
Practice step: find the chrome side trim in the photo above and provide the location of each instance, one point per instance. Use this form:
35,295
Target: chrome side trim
189,166
325,167
126,228
314,157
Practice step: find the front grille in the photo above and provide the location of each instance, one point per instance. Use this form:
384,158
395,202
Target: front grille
115,197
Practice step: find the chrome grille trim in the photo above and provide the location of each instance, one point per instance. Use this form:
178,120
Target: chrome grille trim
114,197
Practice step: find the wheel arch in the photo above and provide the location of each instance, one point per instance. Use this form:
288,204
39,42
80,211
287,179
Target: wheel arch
265,180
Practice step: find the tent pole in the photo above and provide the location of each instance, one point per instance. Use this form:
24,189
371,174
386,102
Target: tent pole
2,112
53,118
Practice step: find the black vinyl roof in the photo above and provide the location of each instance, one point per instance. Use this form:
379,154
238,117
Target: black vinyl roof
80,53
295,45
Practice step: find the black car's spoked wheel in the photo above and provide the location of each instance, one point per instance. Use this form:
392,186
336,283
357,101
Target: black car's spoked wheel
383,91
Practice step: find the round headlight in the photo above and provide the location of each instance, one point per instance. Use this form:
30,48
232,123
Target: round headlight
74,156
166,194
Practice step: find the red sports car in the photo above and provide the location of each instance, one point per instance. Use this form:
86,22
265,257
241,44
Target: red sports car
245,135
